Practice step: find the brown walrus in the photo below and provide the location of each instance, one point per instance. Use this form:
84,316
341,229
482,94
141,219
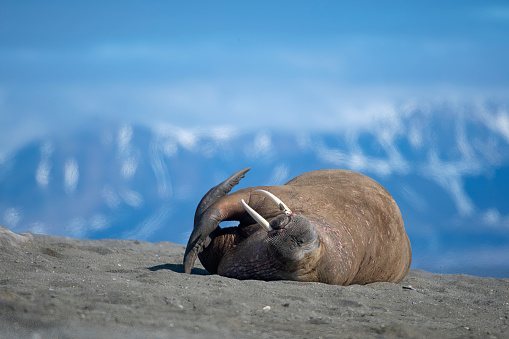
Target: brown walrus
331,226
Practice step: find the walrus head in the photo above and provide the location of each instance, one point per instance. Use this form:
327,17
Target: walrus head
270,242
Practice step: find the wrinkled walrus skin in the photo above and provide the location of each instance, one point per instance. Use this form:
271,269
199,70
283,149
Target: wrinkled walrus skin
343,228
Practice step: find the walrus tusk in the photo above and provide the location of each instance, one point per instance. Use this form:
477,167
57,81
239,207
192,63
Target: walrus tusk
257,217
278,201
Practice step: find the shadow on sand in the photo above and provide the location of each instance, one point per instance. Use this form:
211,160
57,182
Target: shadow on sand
178,268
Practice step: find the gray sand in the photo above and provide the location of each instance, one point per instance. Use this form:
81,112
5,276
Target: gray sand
68,288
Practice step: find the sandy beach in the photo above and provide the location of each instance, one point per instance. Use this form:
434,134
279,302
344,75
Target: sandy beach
69,288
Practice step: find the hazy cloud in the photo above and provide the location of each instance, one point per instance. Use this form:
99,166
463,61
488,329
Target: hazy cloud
489,259
493,12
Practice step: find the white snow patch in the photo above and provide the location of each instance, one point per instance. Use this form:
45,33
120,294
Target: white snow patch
76,227
124,137
12,217
449,175
110,197
261,146
150,225
71,175
161,172
492,217
279,175
129,166
98,222
502,123
414,199
42,174
44,168
38,228
132,198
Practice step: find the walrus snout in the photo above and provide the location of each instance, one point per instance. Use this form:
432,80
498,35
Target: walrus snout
280,222
290,236
293,238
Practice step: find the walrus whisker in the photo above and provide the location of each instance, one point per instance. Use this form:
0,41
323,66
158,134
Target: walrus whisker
257,217
278,201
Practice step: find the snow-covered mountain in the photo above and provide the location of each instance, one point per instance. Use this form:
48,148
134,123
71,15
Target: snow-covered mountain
448,169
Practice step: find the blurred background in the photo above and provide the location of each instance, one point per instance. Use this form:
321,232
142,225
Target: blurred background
117,116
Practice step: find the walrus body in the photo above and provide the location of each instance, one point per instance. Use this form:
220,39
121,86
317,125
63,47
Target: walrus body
343,228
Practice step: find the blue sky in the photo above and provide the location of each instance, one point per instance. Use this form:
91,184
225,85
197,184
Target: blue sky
324,65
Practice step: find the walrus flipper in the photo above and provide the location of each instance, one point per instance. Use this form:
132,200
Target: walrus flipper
207,219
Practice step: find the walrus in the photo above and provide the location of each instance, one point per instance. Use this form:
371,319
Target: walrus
331,226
